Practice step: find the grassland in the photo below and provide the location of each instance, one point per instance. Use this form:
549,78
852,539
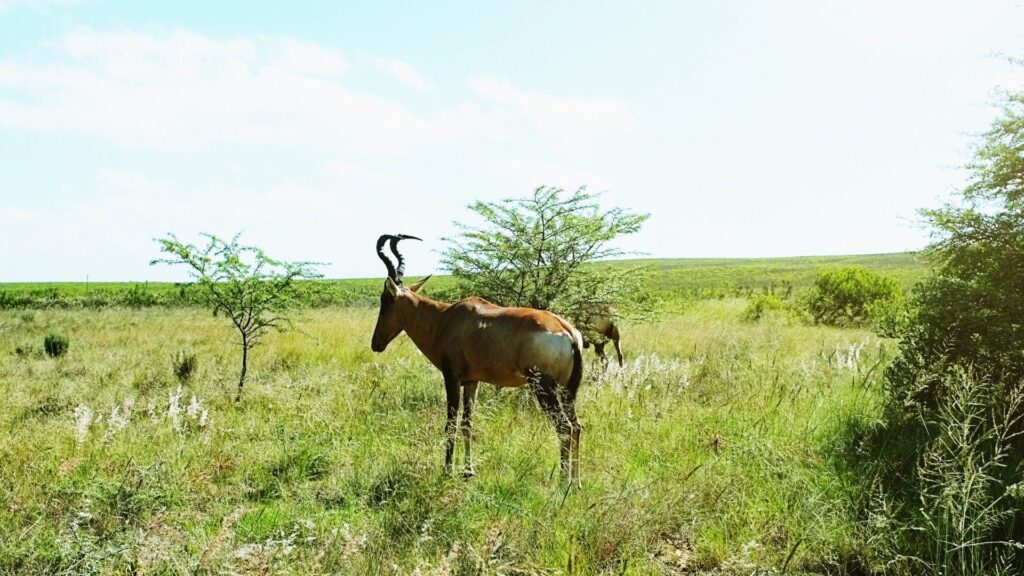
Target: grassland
716,277
712,450
718,448
674,279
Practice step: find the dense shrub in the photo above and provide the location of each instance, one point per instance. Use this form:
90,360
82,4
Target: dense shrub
138,296
889,318
847,295
970,312
761,304
954,390
55,344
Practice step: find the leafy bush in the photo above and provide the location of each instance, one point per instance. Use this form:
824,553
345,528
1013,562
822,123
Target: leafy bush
969,312
847,295
55,344
138,296
185,364
889,318
955,388
761,304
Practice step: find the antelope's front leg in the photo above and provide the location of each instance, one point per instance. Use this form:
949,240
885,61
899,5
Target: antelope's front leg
468,403
451,388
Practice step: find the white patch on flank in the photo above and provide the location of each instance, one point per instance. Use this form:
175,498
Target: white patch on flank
554,354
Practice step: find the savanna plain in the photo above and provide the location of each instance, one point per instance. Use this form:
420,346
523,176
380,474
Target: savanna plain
721,446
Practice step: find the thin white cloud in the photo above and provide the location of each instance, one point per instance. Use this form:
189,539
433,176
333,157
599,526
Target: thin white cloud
185,91
404,73
570,123
327,149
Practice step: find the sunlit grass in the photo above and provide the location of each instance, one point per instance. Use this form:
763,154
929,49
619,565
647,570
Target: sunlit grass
710,450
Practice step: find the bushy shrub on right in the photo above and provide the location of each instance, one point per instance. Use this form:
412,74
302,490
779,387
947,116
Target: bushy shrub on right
848,296
956,388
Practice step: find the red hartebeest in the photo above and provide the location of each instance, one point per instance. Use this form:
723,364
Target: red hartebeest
474,341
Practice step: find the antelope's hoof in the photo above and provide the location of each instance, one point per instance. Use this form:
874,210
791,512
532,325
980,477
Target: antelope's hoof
468,474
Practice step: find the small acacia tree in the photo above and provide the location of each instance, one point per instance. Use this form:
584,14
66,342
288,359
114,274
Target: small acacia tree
253,290
539,252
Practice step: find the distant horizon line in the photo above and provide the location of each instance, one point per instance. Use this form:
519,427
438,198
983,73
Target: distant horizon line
638,259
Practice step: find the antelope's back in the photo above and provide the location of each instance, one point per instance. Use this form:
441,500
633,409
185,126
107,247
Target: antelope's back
498,345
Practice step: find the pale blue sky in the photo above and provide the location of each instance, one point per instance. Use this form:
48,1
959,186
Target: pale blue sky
744,128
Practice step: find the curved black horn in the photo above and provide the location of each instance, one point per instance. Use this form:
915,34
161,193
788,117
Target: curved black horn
393,273
384,258
400,272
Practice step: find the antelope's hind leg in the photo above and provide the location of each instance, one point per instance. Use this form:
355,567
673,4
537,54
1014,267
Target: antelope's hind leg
568,398
469,390
546,390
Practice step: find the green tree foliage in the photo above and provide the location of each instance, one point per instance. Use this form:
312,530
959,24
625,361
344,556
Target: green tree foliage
848,295
540,252
955,388
251,289
970,311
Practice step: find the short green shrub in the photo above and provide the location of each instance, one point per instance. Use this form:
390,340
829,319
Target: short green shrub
848,295
138,296
761,304
55,344
185,364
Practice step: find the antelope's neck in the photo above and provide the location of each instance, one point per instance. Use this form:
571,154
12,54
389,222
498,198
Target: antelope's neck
423,326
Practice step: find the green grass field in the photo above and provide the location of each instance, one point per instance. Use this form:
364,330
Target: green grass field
712,449
673,279
717,449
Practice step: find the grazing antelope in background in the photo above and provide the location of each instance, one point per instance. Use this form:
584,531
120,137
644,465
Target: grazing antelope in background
474,341
598,329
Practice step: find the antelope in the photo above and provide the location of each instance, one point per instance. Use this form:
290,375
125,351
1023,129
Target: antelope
598,329
473,341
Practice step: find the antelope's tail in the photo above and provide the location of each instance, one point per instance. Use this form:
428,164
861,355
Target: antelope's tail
576,376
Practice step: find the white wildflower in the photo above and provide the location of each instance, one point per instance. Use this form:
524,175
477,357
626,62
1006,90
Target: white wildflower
83,419
352,545
193,408
118,420
174,408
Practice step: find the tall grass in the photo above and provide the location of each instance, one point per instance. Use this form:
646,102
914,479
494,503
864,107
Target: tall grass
966,502
709,451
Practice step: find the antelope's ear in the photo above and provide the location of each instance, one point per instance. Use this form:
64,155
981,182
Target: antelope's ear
391,287
416,287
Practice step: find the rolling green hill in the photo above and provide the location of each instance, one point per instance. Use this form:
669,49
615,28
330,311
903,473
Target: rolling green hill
687,278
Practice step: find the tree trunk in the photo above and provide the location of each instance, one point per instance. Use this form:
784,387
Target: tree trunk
245,365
